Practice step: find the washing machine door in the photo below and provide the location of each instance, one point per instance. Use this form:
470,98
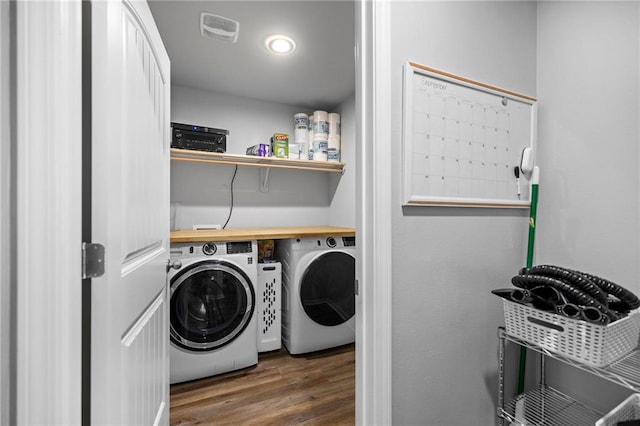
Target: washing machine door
327,288
211,304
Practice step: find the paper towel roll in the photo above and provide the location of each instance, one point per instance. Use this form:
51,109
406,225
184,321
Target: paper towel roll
301,121
310,139
301,127
333,148
320,156
334,124
301,135
303,145
333,142
320,124
320,149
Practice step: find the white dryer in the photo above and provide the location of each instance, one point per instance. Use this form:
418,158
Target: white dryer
318,299
213,320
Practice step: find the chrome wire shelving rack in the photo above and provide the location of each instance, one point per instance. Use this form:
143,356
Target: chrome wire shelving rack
544,405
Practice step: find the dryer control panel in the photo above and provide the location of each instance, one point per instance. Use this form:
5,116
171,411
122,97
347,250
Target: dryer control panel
328,242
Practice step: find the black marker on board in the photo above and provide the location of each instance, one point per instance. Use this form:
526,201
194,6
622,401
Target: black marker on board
516,171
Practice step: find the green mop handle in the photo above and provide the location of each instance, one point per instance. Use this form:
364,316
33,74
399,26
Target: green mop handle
532,215
532,236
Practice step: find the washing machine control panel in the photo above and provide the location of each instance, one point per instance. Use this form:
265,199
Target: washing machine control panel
239,247
210,248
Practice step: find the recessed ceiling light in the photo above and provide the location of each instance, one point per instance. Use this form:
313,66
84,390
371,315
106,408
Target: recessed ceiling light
280,44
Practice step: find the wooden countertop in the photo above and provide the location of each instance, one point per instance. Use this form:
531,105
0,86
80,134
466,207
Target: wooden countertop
240,234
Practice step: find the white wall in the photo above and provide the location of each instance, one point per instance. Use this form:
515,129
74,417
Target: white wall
447,260
588,214
295,198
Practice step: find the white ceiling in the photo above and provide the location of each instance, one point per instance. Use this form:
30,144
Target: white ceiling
320,74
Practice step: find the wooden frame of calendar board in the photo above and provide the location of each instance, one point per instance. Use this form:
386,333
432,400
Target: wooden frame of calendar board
462,140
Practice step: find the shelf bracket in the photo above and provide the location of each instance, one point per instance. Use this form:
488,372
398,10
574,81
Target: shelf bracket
264,179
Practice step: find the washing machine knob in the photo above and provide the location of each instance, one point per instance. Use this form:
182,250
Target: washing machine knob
209,249
176,264
331,242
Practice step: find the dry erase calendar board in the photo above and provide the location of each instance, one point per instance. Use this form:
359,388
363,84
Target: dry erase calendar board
462,140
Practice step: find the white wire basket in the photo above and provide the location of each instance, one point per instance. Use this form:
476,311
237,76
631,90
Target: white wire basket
590,344
629,409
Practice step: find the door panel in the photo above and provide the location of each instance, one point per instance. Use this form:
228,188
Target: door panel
145,147
130,215
143,369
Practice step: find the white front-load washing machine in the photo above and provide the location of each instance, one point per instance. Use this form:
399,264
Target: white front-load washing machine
213,320
318,298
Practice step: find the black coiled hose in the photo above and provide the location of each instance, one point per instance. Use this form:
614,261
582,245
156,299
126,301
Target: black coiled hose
574,278
618,306
574,294
571,293
624,295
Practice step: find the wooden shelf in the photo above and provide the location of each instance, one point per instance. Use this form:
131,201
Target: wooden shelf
254,161
240,234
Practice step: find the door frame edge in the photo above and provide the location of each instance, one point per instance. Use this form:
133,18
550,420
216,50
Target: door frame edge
373,215
48,254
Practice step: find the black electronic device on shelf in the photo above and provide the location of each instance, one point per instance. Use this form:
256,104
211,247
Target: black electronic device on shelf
199,138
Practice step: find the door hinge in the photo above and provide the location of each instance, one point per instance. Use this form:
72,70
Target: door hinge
356,287
92,260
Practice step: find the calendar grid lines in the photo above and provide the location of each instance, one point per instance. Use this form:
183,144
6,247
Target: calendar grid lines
463,142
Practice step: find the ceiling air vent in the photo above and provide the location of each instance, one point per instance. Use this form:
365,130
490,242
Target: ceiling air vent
219,27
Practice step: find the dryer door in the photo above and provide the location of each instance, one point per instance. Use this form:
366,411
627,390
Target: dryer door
327,288
211,304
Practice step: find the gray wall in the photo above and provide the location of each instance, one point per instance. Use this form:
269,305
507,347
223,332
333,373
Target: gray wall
447,260
6,220
581,60
200,193
588,74
342,211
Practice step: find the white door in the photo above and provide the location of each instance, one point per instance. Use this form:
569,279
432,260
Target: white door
130,215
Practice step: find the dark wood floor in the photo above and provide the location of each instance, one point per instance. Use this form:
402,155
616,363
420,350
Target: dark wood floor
310,389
